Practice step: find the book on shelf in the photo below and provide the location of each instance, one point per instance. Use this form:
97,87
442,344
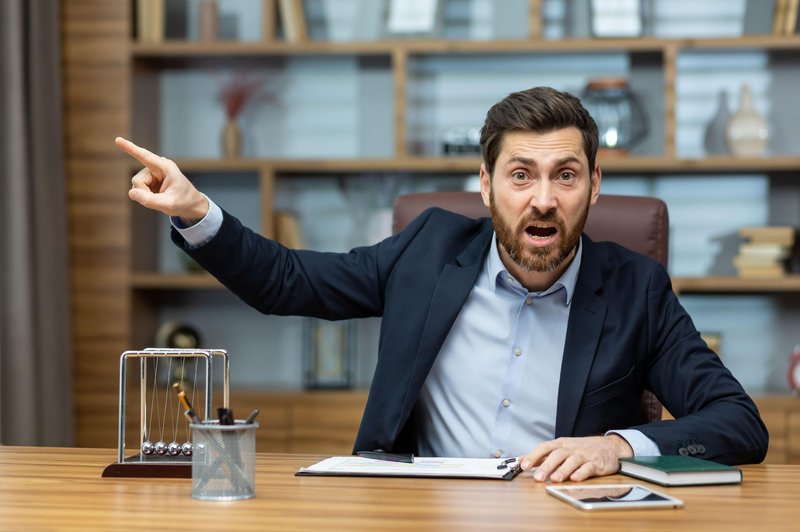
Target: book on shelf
713,341
790,18
293,20
759,17
766,251
763,251
616,18
150,20
770,271
777,234
756,262
287,229
785,19
675,470
176,20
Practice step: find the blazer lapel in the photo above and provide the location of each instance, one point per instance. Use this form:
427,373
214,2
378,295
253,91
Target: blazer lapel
451,291
583,334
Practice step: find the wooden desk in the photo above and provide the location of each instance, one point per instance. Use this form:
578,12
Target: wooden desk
53,489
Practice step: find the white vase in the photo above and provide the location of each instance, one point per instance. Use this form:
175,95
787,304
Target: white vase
747,132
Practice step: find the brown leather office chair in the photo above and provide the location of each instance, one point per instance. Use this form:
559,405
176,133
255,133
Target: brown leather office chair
639,223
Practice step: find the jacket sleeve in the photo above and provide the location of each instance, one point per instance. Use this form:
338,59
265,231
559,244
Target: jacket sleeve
276,280
714,417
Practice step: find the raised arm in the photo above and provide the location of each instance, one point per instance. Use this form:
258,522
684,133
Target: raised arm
161,186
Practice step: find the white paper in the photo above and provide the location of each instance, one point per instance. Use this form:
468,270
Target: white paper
422,467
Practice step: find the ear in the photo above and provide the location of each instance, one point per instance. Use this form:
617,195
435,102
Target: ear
486,184
597,176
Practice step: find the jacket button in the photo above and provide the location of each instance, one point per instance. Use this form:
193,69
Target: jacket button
683,451
701,449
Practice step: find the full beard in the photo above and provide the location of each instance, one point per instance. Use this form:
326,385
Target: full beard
537,259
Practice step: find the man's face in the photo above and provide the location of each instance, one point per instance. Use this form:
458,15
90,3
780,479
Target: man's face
539,197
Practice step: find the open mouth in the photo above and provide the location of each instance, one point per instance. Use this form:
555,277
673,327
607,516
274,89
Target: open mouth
541,231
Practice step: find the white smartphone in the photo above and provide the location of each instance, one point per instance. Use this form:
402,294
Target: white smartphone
613,496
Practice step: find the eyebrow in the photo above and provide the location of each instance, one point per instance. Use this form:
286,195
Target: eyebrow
531,162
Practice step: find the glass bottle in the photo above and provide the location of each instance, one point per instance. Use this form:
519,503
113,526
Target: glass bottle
621,121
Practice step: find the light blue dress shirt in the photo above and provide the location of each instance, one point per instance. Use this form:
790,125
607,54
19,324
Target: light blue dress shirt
493,389
204,230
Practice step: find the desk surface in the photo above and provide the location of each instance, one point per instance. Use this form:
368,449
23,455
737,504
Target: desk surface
56,489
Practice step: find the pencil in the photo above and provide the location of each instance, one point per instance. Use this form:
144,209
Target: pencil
190,413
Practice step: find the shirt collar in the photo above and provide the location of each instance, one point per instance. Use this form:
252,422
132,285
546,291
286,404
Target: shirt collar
498,272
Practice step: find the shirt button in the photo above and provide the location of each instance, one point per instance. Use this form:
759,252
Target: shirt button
506,402
517,351
529,301
498,453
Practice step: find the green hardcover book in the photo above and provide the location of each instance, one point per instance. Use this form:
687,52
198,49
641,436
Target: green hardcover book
674,470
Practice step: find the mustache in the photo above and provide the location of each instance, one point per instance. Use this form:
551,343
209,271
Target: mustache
548,216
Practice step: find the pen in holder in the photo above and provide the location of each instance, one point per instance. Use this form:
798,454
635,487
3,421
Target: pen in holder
223,461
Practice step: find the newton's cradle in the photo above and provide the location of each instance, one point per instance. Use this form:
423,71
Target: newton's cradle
164,449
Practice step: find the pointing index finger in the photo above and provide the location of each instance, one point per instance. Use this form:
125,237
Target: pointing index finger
146,157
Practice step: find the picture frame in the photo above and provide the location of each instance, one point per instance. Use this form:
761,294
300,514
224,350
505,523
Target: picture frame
328,361
413,18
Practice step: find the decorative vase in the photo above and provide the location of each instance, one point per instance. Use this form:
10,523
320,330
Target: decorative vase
747,131
714,139
231,140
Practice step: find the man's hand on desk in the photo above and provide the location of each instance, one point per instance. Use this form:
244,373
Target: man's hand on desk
161,186
576,458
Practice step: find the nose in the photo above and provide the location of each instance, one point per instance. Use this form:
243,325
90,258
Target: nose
543,197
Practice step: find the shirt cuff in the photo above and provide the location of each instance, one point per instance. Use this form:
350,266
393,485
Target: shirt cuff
203,231
641,444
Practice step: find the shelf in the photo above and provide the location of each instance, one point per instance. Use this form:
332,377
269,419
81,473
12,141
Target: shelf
173,281
681,285
643,164
723,285
168,49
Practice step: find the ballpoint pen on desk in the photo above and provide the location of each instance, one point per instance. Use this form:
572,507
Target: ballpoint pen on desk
407,458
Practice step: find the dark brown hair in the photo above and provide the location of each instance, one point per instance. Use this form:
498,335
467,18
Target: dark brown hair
540,110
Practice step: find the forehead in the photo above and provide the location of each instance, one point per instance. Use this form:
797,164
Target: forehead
558,143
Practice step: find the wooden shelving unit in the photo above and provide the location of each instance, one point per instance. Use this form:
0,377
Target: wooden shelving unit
736,285
110,85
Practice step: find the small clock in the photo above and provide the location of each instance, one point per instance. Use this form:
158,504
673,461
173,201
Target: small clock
794,370
173,334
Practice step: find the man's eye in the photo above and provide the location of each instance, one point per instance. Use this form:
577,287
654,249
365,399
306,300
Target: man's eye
567,176
519,176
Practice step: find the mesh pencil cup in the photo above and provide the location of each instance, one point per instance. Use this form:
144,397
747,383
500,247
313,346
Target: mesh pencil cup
223,461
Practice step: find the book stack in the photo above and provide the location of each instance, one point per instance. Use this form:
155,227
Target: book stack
765,251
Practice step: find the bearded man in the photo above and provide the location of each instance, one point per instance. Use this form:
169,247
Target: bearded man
515,336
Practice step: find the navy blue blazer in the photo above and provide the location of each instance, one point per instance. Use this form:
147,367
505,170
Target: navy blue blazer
627,332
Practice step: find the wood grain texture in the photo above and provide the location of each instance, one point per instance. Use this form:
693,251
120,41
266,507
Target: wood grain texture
55,489
96,106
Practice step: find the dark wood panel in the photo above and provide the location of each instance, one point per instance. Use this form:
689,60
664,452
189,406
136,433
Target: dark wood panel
96,102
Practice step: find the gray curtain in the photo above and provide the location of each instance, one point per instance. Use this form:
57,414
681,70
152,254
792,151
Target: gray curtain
35,360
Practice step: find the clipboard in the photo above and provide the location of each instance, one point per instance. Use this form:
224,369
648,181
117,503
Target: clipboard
433,467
